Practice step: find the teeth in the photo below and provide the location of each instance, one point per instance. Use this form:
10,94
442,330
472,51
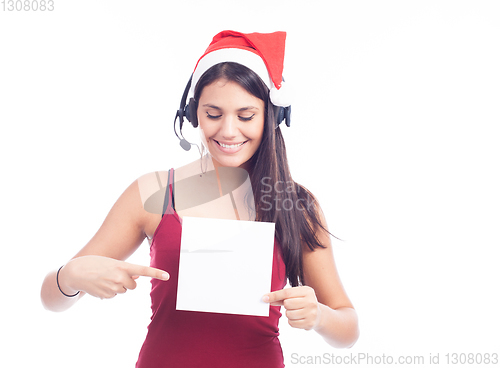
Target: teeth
230,145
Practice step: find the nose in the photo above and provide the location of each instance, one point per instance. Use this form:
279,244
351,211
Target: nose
229,128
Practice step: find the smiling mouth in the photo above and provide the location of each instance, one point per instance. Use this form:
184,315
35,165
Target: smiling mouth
230,145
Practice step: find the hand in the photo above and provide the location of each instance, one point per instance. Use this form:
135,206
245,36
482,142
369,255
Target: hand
302,307
103,277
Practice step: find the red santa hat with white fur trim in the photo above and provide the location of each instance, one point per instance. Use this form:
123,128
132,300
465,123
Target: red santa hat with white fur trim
263,53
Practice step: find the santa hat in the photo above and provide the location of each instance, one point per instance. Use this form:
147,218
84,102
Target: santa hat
263,53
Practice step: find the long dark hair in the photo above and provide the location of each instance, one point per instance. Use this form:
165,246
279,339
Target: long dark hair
277,197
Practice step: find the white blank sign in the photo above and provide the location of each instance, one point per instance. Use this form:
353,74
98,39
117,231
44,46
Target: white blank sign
225,266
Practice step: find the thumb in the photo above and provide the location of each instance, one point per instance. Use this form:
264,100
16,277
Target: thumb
136,270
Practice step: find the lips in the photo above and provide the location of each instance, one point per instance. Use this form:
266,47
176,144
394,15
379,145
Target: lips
229,148
229,145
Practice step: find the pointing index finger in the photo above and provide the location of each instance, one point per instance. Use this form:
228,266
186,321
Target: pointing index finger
137,270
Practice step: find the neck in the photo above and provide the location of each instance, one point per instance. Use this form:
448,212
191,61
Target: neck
247,166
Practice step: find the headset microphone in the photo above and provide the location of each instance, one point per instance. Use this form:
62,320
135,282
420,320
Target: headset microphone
182,141
185,145
181,113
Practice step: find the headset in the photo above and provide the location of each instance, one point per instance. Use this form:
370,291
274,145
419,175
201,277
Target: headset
189,111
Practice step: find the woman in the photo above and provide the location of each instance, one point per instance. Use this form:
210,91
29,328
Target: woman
238,101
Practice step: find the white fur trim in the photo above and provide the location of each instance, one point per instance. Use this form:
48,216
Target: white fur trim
281,97
240,56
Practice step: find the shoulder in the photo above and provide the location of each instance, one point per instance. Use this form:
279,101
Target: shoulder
151,188
143,197
128,222
133,201
151,181
315,218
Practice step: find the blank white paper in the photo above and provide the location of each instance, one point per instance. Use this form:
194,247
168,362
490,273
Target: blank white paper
225,266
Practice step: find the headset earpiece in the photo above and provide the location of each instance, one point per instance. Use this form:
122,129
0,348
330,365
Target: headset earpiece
287,115
191,112
282,114
279,113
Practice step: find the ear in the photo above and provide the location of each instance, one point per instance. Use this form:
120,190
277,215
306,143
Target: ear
192,112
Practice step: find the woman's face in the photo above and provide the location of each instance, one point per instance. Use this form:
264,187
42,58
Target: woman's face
232,121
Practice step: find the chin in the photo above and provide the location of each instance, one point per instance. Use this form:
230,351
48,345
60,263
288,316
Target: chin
229,162
238,159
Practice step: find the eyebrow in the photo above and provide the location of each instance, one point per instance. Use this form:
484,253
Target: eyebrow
241,109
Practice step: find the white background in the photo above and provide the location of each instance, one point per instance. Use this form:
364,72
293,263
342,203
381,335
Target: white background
394,129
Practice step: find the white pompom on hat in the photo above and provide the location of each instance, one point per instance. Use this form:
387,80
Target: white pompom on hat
264,53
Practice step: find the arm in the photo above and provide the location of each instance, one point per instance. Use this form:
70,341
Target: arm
98,268
322,303
336,319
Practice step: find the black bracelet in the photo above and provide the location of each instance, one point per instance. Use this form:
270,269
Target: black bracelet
57,280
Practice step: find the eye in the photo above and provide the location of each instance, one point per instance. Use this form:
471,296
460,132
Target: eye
213,117
243,118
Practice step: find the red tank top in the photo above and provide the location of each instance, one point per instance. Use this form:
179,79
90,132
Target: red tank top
199,339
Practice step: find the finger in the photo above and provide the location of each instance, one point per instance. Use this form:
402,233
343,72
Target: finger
137,270
299,323
107,294
295,314
115,289
130,284
304,323
121,290
293,303
277,297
